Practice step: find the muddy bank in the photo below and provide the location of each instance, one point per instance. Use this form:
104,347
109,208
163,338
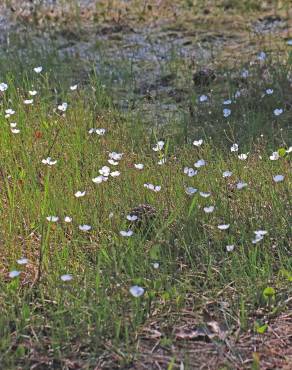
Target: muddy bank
146,51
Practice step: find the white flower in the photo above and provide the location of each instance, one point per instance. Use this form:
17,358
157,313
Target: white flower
15,130
99,179
152,187
261,232
132,217
161,161
203,98
3,86
22,261
227,102
190,171
28,101
278,178
112,162
63,107
237,94
100,131
289,150
226,112
242,156
209,209
139,166
111,215
244,73
136,291
66,277
73,87
126,233
115,173
155,265
84,227
278,111
240,185
200,163
198,142
259,236
204,195
14,273
68,219
79,194
49,161
32,92
38,69
13,124
115,156
227,173
52,218
234,148
190,190
159,146
262,56
223,226
269,91
9,112
105,171
230,248
275,156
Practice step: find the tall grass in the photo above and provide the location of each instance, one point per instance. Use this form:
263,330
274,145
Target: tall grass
43,315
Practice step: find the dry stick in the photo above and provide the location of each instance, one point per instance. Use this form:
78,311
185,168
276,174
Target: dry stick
54,141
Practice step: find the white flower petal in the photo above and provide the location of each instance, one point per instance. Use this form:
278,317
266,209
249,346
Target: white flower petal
200,163
126,233
190,190
204,195
63,107
136,291
223,226
28,101
278,111
230,248
38,69
132,217
209,209
79,194
241,185
66,277
198,142
14,274
3,86
278,178
52,218
227,173
84,227
203,98
22,261
275,156
226,112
